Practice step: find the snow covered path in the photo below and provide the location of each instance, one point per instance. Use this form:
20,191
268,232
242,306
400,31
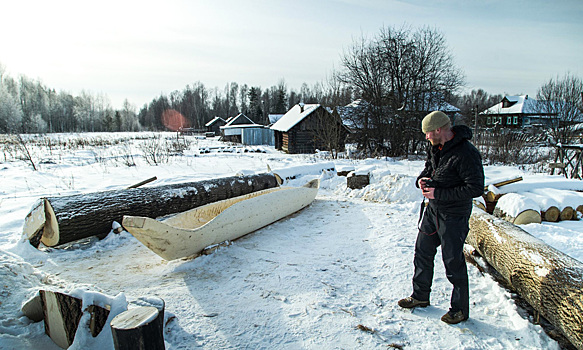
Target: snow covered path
305,282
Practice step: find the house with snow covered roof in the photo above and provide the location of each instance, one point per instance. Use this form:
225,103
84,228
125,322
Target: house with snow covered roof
307,127
355,114
214,125
517,112
232,131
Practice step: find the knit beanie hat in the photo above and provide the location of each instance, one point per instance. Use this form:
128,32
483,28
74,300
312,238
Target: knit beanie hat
434,121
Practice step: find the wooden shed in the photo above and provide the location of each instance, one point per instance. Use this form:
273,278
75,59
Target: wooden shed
307,127
233,130
215,124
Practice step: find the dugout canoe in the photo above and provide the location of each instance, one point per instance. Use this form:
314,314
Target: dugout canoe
189,233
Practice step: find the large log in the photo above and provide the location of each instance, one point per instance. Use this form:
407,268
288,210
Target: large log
549,280
59,220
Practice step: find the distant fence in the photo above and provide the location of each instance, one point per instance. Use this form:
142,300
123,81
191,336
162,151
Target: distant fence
257,136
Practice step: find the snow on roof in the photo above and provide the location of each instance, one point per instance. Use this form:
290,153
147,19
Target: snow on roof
274,117
516,105
294,116
214,120
239,119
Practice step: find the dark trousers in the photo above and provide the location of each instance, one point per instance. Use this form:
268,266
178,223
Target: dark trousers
450,232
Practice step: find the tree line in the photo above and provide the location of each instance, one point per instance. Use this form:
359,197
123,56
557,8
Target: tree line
28,106
199,104
401,73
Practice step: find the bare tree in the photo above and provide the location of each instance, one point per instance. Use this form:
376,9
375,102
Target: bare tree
329,133
562,97
403,74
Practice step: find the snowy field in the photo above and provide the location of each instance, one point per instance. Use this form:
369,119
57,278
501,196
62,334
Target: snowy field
327,277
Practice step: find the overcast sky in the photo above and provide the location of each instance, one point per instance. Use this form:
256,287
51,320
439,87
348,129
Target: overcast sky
141,49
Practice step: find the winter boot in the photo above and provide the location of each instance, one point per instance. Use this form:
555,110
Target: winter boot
410,302
454,317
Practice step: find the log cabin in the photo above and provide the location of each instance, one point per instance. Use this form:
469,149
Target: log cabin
308,127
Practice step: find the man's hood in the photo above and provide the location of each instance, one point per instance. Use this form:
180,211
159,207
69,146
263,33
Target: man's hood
463,132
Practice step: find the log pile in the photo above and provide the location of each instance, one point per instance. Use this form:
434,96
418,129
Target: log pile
552,204
549,280
517,209
55,221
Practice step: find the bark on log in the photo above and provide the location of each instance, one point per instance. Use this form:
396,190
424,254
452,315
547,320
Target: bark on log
480,203
139,328
59,220
549,280
62,314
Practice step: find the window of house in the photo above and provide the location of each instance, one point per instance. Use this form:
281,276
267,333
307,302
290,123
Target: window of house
515,122
489,121
508,120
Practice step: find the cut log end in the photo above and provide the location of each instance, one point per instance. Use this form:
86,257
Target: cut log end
567,213
551,214
40,225
139,328
528,216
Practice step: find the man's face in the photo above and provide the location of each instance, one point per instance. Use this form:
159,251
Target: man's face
434,136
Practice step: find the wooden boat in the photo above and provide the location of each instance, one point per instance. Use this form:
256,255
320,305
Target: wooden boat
188,233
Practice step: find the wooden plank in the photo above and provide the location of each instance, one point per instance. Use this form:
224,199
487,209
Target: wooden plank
505,182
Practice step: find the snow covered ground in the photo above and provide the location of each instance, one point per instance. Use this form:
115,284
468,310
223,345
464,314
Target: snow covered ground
327,277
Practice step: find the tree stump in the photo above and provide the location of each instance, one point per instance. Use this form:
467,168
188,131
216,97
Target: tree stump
58,220
549,280
356,182
139,328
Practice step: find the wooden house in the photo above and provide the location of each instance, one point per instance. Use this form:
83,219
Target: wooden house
307,127
517,112
214,125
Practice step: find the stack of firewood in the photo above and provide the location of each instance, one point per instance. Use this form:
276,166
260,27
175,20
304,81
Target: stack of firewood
534,205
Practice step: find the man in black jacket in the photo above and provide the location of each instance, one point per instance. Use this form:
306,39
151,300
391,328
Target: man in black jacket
452,177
